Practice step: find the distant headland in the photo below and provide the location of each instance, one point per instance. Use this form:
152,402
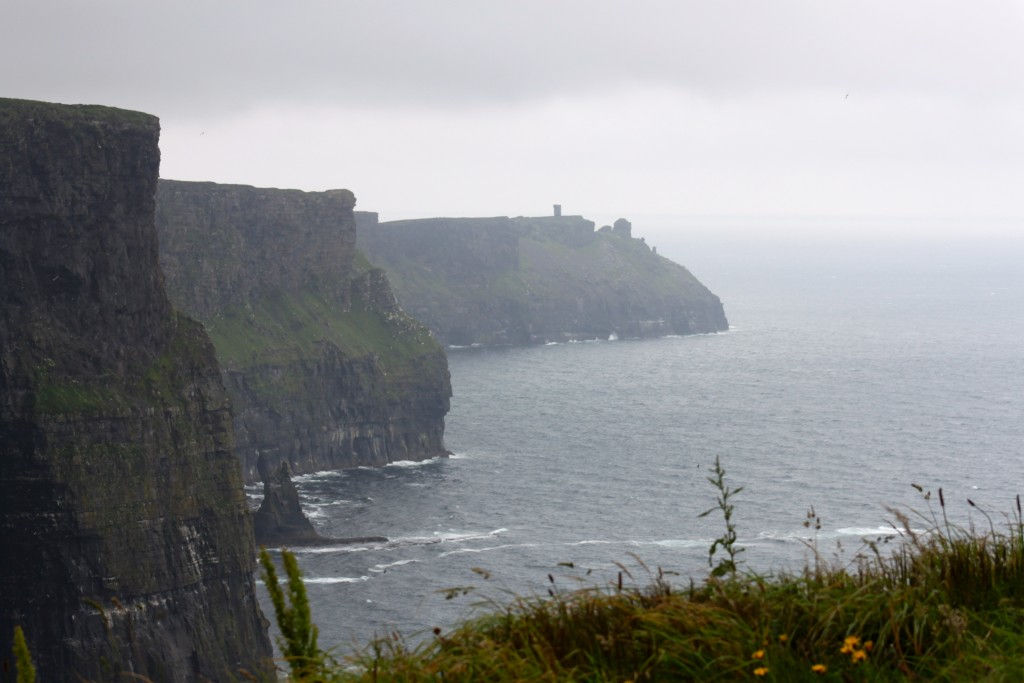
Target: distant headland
528,280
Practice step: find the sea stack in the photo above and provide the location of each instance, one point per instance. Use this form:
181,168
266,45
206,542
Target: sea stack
126,546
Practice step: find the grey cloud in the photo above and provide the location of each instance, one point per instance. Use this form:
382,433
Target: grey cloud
208,57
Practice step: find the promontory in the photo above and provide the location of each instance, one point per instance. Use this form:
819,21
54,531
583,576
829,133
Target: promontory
532,280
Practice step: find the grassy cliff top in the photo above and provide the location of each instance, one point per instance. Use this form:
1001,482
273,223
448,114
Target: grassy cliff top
209,187
12,109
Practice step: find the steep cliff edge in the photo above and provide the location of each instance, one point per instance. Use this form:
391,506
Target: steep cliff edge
126,542
528,280
324,370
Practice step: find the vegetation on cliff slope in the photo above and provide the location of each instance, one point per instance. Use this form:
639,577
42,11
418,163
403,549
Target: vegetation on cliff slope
294,326
947,604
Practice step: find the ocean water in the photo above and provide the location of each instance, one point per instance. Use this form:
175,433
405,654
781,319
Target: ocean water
851,370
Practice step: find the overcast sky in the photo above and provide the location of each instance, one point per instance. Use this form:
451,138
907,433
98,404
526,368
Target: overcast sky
756,108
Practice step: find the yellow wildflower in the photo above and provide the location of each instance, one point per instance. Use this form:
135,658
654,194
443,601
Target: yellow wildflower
819,668
868,645
758,655
783,638
850,644
761,671
858,655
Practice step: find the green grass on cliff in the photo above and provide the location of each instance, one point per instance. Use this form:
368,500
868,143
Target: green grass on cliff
943,605
18,110
158,383
299,326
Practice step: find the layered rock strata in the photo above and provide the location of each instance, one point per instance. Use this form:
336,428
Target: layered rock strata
532,280
125,543
324,370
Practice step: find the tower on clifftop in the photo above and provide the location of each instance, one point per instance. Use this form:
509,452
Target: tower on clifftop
558,210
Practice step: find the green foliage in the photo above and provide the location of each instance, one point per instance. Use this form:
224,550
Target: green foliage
943,605
294,327
159,383
946,605
73,396
298,633
22,658
727,541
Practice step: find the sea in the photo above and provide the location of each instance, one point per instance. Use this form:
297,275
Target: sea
854,370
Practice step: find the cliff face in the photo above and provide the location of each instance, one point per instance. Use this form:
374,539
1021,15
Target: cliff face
126,543
324,369
530,280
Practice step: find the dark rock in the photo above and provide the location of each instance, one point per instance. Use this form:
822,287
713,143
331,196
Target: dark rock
324,370
280,520
125,542
528,280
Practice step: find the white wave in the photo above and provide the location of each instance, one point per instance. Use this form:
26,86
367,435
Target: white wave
446,537
551,343
463,551
459,456
872,531
378,568
681,543
326,549
595,542
613,337
806,536
321,474
335,579
664,543
412,463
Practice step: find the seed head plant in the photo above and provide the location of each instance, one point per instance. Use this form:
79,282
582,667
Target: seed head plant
727,541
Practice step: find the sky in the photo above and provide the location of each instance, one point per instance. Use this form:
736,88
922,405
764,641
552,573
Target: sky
842,115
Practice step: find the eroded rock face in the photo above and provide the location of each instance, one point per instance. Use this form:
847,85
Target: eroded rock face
125,542
324,370
531,280
280,520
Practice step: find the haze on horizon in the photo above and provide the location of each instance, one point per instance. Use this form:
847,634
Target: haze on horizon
648,108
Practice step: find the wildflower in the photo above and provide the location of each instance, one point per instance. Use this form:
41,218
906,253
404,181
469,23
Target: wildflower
850,644
761,671
868,645
858,655
758,655
783,638
819,668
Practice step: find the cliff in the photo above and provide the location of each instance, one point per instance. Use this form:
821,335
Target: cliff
126,542
324,370
530,280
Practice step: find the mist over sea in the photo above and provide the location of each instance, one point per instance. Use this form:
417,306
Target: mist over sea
852,369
